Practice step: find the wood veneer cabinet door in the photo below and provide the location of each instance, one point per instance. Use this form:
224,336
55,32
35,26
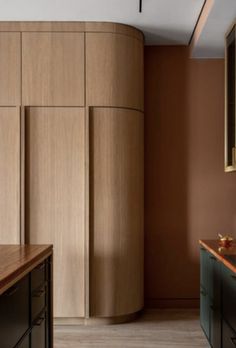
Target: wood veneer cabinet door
116,212
9,175
10,69
55,198
114,70
53,69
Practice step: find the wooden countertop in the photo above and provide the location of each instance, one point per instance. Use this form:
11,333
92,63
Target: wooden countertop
222,254
17,260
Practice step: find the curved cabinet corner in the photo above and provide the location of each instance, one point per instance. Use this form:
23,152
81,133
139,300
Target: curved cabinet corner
116,208
114,70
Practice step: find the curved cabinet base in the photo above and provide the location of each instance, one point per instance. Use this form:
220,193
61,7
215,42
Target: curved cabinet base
95,321
113,320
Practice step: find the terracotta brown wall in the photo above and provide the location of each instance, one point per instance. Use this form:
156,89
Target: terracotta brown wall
188,196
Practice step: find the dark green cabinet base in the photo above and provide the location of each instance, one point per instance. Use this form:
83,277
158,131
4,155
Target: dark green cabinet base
217,301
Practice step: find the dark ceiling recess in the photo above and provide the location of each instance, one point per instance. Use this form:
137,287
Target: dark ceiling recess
140,5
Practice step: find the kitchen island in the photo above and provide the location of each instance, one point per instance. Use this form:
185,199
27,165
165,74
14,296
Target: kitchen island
26,310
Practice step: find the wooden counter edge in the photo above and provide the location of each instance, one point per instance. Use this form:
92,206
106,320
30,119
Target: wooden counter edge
219,257
19,273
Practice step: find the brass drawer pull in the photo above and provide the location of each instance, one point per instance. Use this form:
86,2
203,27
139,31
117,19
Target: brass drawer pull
233,339
39,293
11,291
39,321
41,266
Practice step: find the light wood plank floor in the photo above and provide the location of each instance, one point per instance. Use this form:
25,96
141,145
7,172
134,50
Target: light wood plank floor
159,329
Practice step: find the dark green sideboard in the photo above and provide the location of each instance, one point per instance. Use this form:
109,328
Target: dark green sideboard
218,298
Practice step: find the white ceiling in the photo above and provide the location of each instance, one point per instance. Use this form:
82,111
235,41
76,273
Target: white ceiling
211,41
162,21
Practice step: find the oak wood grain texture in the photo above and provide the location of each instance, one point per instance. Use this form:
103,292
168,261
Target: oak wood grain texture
17,260
53,69
116,208
10,69
9,175
220,253
155,329
55,196
37,26
114,70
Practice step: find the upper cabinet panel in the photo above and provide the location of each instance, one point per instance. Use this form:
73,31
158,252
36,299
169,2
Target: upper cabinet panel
53,69
114,70
10,67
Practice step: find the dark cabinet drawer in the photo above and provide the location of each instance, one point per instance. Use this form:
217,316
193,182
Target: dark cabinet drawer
38,334
38,276
38,300
229,296
228,336
204,312
215,327
14,313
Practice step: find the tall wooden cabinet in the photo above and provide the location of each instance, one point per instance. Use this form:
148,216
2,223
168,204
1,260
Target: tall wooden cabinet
71,126
116,211
55,197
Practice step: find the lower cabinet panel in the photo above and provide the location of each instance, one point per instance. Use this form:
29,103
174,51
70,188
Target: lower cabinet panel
205,313
116,207
215,327
228,336
38,334
14,313
55,197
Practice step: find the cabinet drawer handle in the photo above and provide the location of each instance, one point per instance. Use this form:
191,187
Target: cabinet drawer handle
39,321
39,267
39,293
233,339
11,291
213,258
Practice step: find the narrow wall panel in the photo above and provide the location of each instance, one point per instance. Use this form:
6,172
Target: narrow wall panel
55,196
9,175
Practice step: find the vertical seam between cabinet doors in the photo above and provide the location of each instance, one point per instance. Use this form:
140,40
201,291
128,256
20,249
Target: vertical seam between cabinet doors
21,208
22,175
27,175
87,219
21,68
85,75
